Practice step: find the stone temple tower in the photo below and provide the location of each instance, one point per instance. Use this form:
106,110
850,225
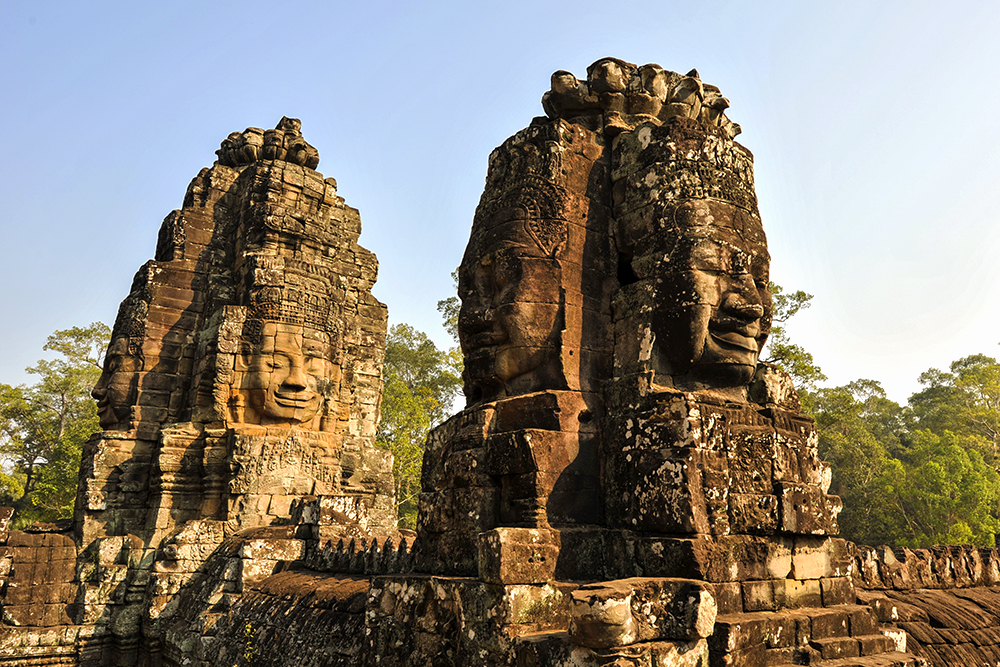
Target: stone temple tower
241,390
244,369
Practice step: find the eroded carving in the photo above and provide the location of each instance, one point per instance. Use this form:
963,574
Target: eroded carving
614,307
619,96
512,305
284,143
705,308
285,377
221,398
116,390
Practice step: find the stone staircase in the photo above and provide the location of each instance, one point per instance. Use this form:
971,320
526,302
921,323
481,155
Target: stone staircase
894,659
839,636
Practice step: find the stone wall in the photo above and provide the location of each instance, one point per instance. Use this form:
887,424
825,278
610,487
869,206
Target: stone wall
945,600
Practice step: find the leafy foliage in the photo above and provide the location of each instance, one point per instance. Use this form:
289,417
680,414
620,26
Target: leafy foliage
43,426
914,475
449,309
901,484
862,466
965,402
420,384
948,494
792,358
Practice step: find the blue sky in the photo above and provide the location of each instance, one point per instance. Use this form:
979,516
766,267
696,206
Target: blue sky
872,126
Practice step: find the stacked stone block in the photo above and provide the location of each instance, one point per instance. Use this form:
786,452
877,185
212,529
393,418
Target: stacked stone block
707,468
694,465
243,375
42,619
42,567
535,283
459,499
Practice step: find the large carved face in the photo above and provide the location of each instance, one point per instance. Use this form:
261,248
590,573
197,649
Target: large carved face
511,314
115,391
287,376
715,307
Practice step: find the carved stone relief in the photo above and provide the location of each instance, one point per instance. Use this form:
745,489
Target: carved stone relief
222,400
285,378
512,305
614,306
619,428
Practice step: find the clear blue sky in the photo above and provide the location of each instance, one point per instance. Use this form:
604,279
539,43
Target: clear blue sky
872,124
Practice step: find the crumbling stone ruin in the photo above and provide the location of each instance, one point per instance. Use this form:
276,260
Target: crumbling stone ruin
627,484
241,385
619,429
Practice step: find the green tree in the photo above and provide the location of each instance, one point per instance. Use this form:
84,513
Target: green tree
791,358
964,402
947,494
859,428
449,309
43,426
901,484
420,384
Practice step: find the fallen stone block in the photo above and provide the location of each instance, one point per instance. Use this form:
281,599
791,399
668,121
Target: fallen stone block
626,611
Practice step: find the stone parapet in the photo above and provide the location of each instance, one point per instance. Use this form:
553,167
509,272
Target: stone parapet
950,566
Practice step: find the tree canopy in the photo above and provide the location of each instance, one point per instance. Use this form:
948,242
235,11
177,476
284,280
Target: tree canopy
920,474
43,426
965,402
912,475
780,350
420,384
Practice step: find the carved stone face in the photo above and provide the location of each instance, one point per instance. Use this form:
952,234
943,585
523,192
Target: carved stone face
115,391
511,313
287,375
715,307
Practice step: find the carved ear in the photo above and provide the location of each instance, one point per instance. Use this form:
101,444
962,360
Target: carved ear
242,361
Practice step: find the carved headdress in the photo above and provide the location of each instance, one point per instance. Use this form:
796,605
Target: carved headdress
287,306
533,200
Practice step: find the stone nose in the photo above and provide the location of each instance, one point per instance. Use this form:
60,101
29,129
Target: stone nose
100,389
296,376
475,316
744,304
743,293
